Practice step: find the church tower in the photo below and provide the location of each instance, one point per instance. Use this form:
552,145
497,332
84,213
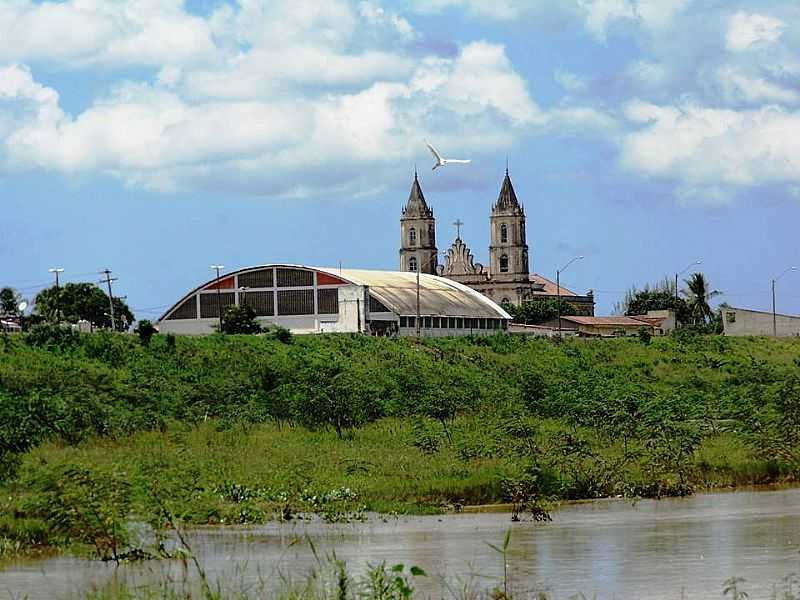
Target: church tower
418,234
508,250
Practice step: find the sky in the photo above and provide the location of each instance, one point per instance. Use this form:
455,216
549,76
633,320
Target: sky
159,137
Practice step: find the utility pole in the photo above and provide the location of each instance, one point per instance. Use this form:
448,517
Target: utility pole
774,314
558,290
56,272
107,281
218,269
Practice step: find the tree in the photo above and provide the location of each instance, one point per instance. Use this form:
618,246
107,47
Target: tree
699,294
660,296
82,301
145,330
533,312
9,301
240,319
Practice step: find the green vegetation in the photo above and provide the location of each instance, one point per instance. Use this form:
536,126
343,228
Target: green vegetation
73,302
534,312
97,428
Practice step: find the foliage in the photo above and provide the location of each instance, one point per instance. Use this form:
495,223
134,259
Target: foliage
73,302
240,319
699,294
661,296
9,301
247,428
534,312
145,330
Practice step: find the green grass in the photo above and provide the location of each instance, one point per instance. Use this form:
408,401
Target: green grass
246,429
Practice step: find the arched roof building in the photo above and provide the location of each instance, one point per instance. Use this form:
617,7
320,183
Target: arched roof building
316,300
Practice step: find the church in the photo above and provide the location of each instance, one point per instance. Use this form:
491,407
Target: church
507,278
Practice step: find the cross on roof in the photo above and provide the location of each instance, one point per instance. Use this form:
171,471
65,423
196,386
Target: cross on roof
458,225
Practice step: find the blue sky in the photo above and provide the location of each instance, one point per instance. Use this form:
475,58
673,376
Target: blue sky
157,137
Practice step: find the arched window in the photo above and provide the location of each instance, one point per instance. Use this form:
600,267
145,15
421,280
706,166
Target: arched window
504,263
522,233
412,236
412,262
431,236
503,233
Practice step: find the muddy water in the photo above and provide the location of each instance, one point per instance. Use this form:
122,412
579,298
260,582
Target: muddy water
674,548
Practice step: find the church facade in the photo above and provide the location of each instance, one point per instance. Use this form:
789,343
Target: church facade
507,279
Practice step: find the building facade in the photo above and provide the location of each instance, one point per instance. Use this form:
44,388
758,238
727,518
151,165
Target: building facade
746,322
507,279
323,300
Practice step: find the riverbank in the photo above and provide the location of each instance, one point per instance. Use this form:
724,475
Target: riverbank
601,549
246,430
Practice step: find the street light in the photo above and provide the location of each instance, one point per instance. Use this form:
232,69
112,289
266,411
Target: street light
774,318
558,290
218,269
697,262
419,268
56,271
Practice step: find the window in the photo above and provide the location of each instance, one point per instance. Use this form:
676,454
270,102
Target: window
426,322
504,324
412,237
295,278
209,307
436,322
522,233
261,302
505,301
412,264
431,236
504,263
403,321
503,233
328,301
412,321
482,324
256,279
459,323
730,316
451,323
376,306
296,302
187,310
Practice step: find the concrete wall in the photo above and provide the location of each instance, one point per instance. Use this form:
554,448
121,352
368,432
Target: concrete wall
742,322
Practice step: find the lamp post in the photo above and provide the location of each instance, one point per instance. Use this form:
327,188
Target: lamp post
558,290
56,271
774,317
697,262
218,269
419,268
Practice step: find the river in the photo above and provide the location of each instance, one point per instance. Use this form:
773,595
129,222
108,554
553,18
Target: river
673,548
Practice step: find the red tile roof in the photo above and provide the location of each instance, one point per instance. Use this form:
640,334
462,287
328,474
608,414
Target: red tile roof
550,287
615,321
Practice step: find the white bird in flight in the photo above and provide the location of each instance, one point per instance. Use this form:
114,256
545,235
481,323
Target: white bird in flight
440,162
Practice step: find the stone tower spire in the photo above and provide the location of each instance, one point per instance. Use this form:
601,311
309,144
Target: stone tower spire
418,233
508,250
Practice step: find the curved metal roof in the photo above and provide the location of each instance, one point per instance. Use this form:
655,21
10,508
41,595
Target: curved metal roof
397,290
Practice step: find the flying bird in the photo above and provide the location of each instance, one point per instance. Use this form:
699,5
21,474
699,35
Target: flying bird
440,162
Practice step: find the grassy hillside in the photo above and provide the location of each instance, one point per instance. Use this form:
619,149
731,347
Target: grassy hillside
96,428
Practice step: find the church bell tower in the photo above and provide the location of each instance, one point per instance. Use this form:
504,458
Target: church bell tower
418,234
508,252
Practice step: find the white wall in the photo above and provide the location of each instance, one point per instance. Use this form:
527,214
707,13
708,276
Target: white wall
740,322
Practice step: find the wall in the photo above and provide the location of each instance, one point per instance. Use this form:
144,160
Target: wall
741,322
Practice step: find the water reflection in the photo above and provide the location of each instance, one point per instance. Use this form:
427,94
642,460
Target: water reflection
653,549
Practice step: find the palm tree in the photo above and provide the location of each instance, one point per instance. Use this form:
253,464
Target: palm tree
698,294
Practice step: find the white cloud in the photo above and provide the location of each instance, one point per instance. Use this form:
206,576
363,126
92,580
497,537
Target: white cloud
571,82
738,86
746,30
146,32
709,147
237,133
